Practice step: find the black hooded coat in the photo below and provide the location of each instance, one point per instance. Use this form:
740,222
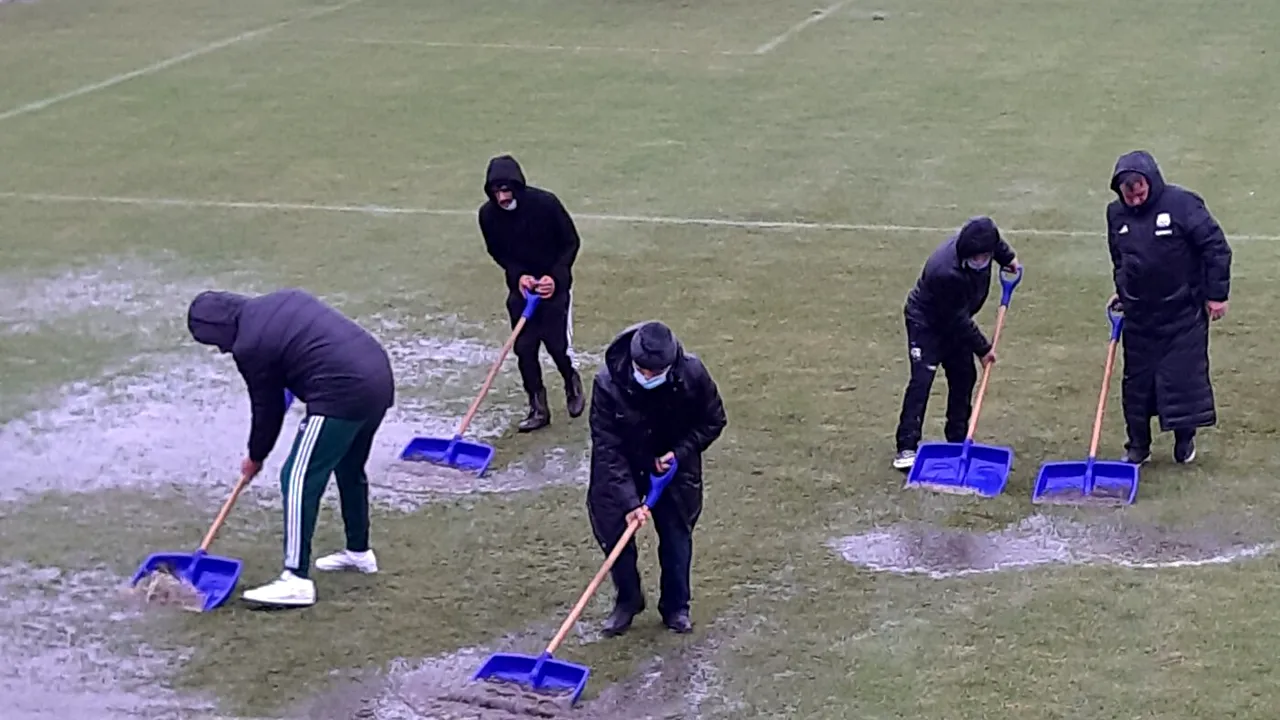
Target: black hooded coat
289,339
632,427
1168,257
948,293
536,238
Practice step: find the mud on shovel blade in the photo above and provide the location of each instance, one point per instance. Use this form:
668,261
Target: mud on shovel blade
544,673
456,452
1091,481
969,468
213,576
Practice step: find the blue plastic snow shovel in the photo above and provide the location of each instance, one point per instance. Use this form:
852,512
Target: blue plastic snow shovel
1091,482
213,576
969,468
543,673
456,452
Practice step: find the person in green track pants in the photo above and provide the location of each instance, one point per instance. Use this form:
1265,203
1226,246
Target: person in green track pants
290,341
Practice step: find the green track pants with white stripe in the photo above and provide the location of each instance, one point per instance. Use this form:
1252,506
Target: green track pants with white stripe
325,446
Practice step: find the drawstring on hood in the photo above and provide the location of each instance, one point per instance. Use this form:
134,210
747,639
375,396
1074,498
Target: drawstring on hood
1142,163
214,318
504,170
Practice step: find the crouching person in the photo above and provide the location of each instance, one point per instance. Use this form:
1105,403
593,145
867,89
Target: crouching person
651,403
290,340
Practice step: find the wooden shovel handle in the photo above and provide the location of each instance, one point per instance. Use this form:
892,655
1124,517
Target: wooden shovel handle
986,374
222,514
574,614
493,373
1102,398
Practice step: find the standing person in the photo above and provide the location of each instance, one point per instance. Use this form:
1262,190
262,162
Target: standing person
1172,269
651,402
290,340
528,232
941,331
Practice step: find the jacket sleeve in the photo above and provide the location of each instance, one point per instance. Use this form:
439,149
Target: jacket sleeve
266,396
1114,249
1003,254
569,245
609,464
494,245
711,421
1207,238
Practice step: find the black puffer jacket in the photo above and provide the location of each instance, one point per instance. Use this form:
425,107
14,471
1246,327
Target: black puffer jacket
1168,257
631,427
536,238
949,293
289,339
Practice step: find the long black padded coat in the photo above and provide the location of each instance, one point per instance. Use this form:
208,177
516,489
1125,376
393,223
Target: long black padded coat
1169,257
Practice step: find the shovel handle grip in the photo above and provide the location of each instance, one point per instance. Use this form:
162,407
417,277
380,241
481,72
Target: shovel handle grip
530,303
224,512
581,605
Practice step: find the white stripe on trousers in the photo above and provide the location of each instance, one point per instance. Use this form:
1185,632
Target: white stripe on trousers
568,326
293,503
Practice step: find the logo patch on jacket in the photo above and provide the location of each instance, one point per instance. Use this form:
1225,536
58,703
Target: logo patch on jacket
1163,220
1124,230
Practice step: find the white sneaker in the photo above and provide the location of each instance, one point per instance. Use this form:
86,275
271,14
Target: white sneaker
365,562
904,460
288,591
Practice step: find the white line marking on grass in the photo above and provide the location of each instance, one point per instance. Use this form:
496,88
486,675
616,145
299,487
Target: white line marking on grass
164,64
794,29
384,210
523,46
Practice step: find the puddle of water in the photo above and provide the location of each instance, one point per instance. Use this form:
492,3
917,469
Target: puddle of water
61,640
1036,540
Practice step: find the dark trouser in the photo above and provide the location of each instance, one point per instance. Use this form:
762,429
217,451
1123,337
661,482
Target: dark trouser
675,557
324,446
551,325
926,352
1139,434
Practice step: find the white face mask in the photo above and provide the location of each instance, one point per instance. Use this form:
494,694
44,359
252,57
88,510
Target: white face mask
974,264
646,382
511,204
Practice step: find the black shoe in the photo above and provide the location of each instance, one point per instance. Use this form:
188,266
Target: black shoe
619,621
574,401
539,414
678,622
1134,456
1184,451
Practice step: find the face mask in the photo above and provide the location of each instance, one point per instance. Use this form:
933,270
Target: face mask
648,383
511,205
975,265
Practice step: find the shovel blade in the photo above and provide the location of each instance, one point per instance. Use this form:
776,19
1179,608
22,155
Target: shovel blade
450,452
1079,482
213,576
540,673
961,468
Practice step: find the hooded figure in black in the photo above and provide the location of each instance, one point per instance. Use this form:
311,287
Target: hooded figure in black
651,402
1172,270
941,330
290,340
528,232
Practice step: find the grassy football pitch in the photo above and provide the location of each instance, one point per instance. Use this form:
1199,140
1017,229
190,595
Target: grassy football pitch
766,177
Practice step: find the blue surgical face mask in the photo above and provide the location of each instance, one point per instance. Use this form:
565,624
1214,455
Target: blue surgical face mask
974,264
646,382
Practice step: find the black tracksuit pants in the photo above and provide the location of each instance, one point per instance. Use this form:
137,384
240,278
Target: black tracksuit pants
927,352
675,557
551,325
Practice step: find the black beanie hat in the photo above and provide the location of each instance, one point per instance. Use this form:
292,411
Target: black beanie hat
653,346
978,236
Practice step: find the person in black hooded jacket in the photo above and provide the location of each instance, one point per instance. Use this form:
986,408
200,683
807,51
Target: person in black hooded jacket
529,234
650,403
290,340
939,313
1172,270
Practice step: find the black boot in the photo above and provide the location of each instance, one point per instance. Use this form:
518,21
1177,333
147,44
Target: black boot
619,621
573,395
678,622
539,414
